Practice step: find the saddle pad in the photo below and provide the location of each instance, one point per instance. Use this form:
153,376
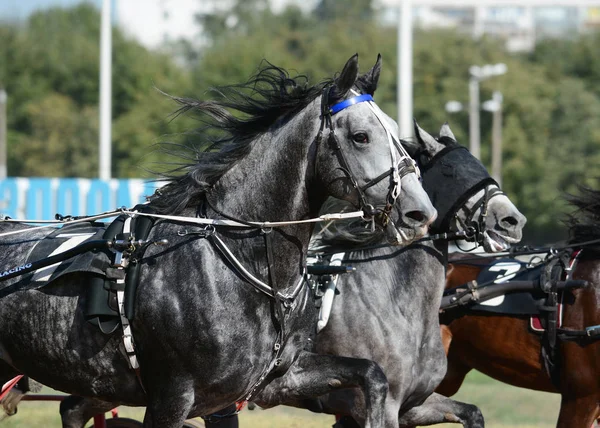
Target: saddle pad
63,239
515,303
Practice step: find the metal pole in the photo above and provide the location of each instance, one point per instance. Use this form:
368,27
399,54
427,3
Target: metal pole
105,91
3,132
497,139
474,130
405,72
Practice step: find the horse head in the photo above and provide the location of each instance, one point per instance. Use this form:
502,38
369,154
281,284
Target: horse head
362,161
469,199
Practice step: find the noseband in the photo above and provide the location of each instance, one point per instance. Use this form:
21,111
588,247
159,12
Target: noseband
447,198
399,168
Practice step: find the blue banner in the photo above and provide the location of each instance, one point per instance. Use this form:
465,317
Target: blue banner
42,198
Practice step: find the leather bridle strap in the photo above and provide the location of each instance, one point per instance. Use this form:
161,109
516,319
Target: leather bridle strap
404,166
481,203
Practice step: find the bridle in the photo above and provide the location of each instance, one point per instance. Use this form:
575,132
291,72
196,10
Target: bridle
478,226
401,165
449,202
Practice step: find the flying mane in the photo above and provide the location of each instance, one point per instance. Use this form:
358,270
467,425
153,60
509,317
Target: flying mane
231,123
584,222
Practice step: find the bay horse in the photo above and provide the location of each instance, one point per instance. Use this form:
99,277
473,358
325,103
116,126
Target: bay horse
221,309
387,311
504,348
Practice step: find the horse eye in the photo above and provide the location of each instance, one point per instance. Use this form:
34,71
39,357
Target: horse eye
361,137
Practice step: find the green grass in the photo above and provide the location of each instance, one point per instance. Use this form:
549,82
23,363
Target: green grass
503,406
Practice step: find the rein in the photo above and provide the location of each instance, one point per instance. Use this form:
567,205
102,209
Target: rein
181,219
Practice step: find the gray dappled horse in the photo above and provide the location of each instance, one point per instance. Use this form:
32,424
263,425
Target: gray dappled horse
206,334
387,311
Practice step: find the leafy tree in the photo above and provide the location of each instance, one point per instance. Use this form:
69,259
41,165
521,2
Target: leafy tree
351,10
548,118
49,66
50,69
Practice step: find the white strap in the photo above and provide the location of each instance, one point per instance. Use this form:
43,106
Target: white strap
194,220
327,299
127,333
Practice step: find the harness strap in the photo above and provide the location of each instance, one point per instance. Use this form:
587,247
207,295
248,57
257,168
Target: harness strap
327,299
121,262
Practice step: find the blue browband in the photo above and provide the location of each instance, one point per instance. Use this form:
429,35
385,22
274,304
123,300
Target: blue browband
349,102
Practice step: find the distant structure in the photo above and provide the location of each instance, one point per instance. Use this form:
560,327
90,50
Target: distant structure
155,22
519,23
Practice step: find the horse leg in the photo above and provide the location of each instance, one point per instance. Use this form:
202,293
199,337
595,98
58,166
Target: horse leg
313,375
437,409
577,412
170,400
76,411
454,378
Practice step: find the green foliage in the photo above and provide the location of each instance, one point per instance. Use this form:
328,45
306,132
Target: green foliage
49,67
550,143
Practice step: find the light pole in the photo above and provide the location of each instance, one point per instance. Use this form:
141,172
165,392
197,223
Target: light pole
495,107
405,66
105,91
476,75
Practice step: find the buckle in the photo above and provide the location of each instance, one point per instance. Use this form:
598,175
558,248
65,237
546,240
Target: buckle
592,331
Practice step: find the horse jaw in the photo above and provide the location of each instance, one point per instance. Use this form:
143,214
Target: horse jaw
504,225
412,214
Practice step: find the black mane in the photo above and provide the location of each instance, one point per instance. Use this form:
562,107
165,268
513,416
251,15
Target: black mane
584,222
230,123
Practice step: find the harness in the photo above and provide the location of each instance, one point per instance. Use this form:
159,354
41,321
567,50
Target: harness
555,278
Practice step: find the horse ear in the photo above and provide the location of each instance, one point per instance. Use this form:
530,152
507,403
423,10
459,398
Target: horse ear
445,131
368,81
348,75
426,141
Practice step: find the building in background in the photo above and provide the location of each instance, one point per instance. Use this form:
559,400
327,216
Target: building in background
519,26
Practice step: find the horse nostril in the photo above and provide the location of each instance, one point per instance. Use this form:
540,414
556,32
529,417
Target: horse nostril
510,220
418,216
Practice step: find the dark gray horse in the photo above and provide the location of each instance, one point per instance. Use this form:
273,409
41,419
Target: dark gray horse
221,311
387,311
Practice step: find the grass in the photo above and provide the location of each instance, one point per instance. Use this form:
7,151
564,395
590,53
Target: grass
503,406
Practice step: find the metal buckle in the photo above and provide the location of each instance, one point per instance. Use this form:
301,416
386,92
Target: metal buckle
592,330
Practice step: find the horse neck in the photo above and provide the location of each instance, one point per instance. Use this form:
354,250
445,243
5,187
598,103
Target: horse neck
270,183
273,183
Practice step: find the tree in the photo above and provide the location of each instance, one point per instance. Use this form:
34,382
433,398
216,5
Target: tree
50,68
547,119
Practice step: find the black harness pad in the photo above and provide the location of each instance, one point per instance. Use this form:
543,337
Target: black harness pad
65,238
101,308
514,303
